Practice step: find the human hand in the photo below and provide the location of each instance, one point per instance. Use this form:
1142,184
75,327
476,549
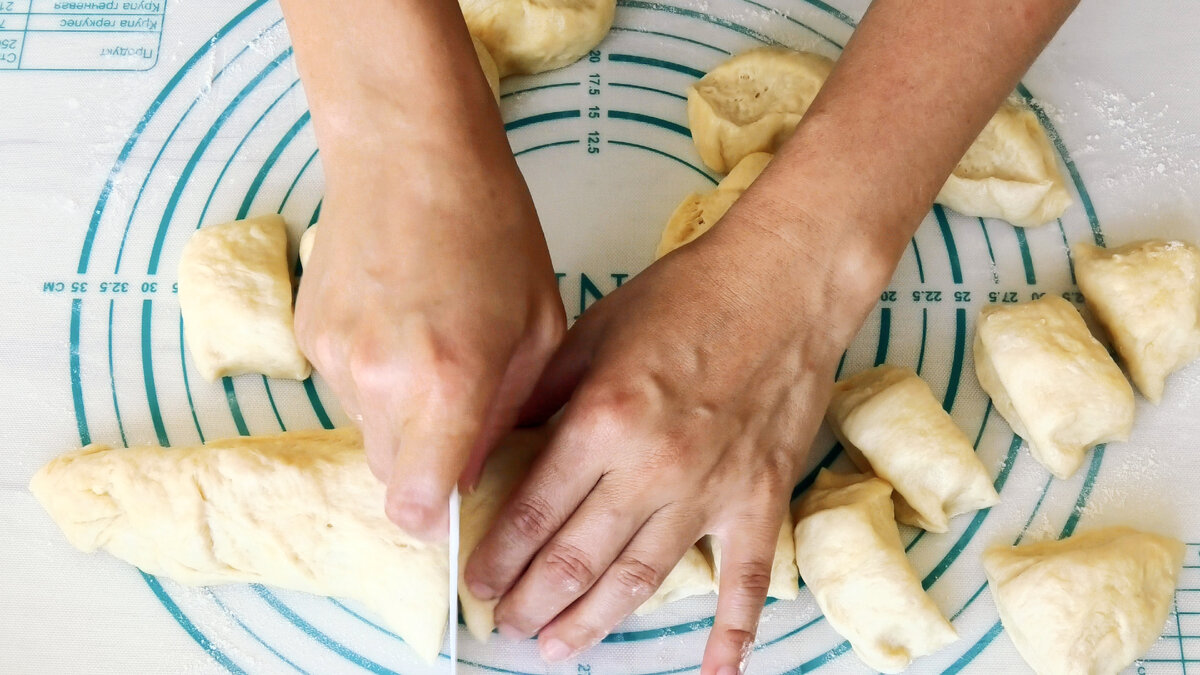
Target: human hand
430,307
695,391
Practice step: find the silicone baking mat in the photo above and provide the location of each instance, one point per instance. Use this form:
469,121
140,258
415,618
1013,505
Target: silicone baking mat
126,125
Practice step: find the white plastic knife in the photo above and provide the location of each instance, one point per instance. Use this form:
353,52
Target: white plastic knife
452,627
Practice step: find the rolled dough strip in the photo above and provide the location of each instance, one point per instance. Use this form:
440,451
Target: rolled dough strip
849,553
299,510
890,423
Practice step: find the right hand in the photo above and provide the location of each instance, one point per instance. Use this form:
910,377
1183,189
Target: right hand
430,307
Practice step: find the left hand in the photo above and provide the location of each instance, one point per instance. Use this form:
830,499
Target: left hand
696,389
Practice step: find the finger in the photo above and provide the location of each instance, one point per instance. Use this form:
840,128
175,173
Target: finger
431,426
567,566
556,485
515,387
563,373
631,579
747,551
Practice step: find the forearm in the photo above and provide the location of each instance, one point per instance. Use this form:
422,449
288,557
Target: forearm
392,84
916,84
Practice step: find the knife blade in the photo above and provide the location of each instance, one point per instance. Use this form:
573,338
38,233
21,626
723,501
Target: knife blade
452,626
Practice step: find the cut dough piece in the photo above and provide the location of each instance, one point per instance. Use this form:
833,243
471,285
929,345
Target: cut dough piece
1009,172
1147,297
488,64
532,36
235,293
1057,387
1088,605
698,212
889,422
692,575
299,510
752,103
505,468
785,579
304,251
849,553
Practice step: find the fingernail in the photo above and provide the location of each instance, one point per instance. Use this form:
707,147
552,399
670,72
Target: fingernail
727,670
555,650
482,590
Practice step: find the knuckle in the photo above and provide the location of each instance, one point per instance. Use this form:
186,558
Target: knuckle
752,579
569,566
549,328
637,578
531,518
738,638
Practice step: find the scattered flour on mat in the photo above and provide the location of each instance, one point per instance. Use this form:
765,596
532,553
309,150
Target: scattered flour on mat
217,625
1153,140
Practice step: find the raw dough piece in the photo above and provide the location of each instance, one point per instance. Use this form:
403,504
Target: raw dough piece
849,553
1088,605
698,212
692,575
532,36
304,251
889,422
785,579
299,510
1051,380
235,293
505,467
1147,297
752,103
488,64
1009,172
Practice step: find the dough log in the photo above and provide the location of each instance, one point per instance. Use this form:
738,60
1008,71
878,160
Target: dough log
849,554
1146,295
889,423
1052,381
1087,605
300,510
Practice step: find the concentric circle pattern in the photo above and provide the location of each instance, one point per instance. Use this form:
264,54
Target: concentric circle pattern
605,147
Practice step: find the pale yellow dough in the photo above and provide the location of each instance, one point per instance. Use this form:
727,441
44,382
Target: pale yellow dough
490,72
1057,387
752,103
698,212
1147,297
1087,605
300,510
889,422
1009,172
304,250
525,37
785,579
235,294
849,554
